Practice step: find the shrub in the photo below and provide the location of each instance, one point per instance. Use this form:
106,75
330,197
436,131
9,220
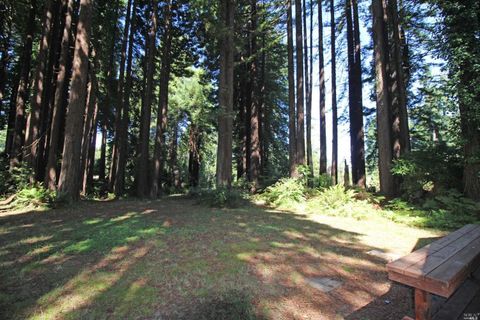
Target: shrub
429,171
284,192
219,197
339,201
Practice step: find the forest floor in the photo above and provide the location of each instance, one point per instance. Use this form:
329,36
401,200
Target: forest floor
177,259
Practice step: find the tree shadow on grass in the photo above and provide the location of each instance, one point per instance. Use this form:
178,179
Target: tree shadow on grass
173,259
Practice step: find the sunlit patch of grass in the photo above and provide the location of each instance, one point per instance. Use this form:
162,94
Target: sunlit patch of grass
33,240
79,247
92,221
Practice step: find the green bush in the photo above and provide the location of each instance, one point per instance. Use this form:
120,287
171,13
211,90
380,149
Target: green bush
219,197
285,192
339,201
429,171
35,194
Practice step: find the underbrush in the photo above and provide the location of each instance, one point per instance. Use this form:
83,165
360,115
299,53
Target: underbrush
220,197
18,191
447,210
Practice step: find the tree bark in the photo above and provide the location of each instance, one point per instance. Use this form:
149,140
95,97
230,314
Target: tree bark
162,113
119,184
112,91
89,121
120,97
32,140
225,117
255,121
381,56
300,85
22,94
321,69
357,143
292,141
70,170
194,156
58,110
308,89
146,113
334,94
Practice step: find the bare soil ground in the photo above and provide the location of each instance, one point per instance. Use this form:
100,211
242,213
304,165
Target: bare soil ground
176,259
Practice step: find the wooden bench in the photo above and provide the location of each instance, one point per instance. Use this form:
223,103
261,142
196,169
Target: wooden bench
449,268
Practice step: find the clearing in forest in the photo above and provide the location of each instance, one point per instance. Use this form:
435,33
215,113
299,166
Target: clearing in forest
175,259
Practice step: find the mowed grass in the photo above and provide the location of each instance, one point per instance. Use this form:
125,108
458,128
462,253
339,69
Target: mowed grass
176,259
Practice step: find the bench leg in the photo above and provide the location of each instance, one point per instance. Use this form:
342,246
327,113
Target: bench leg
423,302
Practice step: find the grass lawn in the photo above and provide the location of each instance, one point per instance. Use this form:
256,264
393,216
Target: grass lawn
175,259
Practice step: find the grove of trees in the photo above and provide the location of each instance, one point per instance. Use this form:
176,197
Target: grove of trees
148,97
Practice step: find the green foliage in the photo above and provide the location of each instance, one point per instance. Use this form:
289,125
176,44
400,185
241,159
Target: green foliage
448,210
323,181
339,201
286,191
17,182
219,197
427,171
35,194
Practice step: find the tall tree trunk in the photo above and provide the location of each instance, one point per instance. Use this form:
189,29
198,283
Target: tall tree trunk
321,70
102,162
292,141
175,170
162,115
120,97
88,173
357,143
193,156
300,85
38,103
381,57
48,92
225,117
111,95
22,94
334,94
398,92
89,121
119,184
146,113
59,104
70,170
308,97
255,120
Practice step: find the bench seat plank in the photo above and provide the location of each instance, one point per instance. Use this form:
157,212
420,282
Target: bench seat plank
443,265
420,255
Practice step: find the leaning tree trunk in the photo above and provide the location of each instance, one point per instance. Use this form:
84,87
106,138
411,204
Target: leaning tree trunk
321,70
292,141
225,117
70,170
58,111
334,94
300,86
22,94
146,113
162,112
